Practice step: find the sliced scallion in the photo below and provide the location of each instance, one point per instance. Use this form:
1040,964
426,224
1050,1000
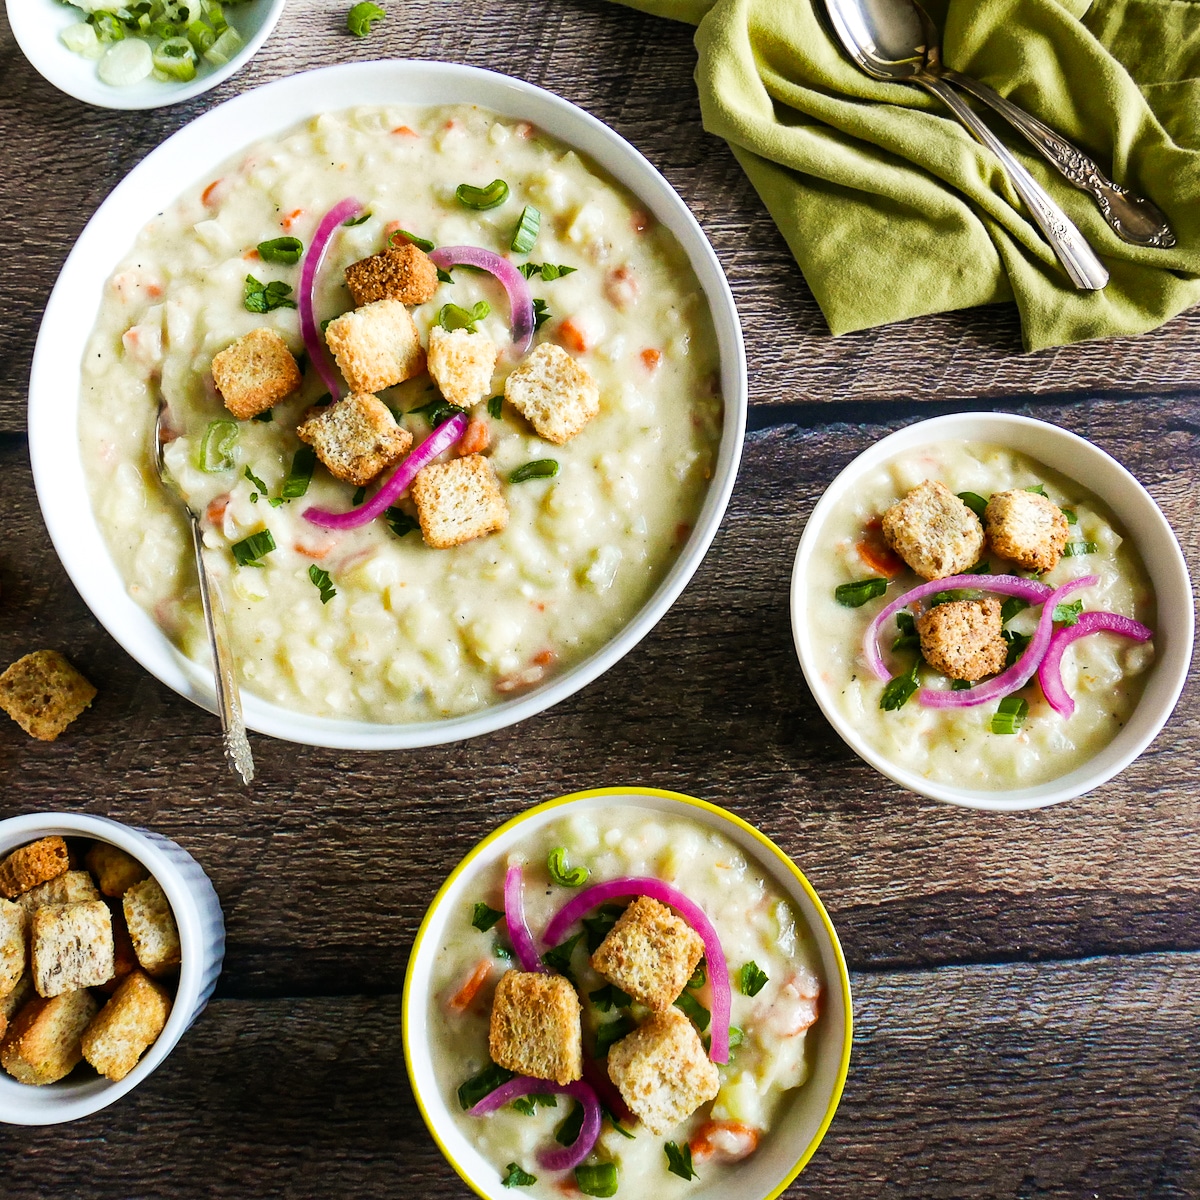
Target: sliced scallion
560,873
481,198
1071,549
540,468
454,316
1010,714
250,550
599,1179
421,243
856,594
228,43
362,16
218,447
526,233
300,475
481,1084
1069,513
286,250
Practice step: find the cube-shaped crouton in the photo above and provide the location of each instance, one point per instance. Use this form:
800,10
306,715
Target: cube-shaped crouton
71,887
43,1041
461,364
152,927
27,866
1027,528
11,1004
403,272
257,371
458,501
376,346
649,953
126,1026
43,693
553,393
14,929
115,871
933,531
964,638
355,438
662,1072
125,957
71,947
535,1026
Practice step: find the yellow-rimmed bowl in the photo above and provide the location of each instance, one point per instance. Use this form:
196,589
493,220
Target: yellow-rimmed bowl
807,1113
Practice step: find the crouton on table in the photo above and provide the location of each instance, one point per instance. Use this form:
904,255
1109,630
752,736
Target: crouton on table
126,1026
458,501
115,871
402,272
964,639
71,947
535,1027
14,922
355,438
43,1042
152,927
662,1072
553,393
933,531
1026,527
71,887
43,693
257,371
376,346
650,953
27,866
461,364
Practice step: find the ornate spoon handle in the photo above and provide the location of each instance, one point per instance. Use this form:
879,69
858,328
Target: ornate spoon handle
1132,218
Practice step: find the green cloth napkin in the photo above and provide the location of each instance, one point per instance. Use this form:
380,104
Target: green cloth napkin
894,211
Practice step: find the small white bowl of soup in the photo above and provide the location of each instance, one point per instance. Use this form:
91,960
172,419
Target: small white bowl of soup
788,1059
1124,690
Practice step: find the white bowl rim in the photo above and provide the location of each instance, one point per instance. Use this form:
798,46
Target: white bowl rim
286,102
1164,562
772,859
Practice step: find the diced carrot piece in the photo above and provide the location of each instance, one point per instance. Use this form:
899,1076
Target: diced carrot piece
312,551
682,531
292,217
573,337
252,253
639,220
208,196
215,512
523,129
461,1000
154,290
476,439
651,358
404,131
723,1142
879,558
545,658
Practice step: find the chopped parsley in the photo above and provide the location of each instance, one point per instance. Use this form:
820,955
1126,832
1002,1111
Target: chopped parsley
901,689
679,1162
752,979
259,297
559,957
249,551
694,1010
484,916
482,1084
613,1031
609,997
516,1177
322,582
399,522
856,594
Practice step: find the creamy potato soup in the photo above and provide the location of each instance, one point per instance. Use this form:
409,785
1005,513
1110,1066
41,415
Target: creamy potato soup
755,924
399,631
1103,672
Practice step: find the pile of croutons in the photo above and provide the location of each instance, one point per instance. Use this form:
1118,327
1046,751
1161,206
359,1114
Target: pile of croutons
88,945
376,346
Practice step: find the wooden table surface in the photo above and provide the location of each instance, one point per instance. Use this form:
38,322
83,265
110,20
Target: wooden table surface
1027,987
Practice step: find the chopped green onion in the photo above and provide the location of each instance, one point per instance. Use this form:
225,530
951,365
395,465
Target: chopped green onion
454,316
421,243
228,43
201,36
1068,614
444,276
491,196
286,250
1069,513
218,447
597,1180
485,916
80,38
1071,549
264,298
699,976
541,314
974,501
540,468
436,412
612,1032
679,1162
254,479
736,1037
692,1008
300,475
249,550
752,979
526,233
322,583
362,16
516,1177
350,222
484,1083
599,926
900,689
175,57
609,997
1010,608
1010,715
559,957
107,27
909,638
856,594
495,407
564,876
1038,489
399,522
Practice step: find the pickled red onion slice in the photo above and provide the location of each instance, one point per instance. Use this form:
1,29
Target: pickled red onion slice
313,342
514,917
1050,669
520,300
525,1085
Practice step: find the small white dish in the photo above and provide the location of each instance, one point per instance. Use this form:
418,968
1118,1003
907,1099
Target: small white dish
1136,511
804,1117
202,949
36,24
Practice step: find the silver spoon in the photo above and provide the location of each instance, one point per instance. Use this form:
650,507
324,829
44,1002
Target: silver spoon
886,39
1133,218
229,701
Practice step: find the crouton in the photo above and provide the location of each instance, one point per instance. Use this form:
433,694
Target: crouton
257,371
933,531
650,953
1027,528
152,927
43,693
42,1044
461,364
535,1026
125,957
964,638
662,1072
376,346
115,871
71,947
71,887
355,438
14,928
126,1026
458,501
404,273
27,866
553,393
11,1004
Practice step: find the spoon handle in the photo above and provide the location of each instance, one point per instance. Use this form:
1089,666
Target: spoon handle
1087,272
1132,218
229,700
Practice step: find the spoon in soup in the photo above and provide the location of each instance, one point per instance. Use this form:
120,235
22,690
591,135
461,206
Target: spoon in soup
229,700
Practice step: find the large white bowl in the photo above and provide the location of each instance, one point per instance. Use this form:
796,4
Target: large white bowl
36,24
54,387
805,1115
1142,520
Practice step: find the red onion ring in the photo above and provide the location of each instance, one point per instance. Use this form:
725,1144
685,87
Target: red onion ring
514,916
692,913
525,1085
520,300
313,342
1050,669
442,438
